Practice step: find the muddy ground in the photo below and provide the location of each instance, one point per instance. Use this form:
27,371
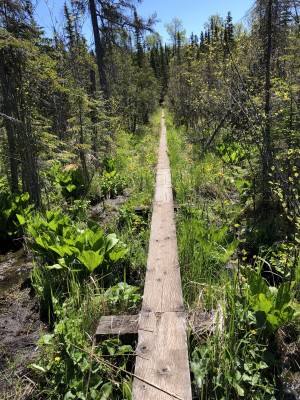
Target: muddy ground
19,326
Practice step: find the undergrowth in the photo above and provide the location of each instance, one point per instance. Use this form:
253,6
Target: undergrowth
85,269
248,295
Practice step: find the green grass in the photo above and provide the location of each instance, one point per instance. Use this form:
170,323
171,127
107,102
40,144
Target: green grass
136,157
205,220
238,359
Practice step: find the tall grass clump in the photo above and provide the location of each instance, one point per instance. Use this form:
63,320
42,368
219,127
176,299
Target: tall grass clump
205,228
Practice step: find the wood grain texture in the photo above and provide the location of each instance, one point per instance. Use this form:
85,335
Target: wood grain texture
124,327
162,355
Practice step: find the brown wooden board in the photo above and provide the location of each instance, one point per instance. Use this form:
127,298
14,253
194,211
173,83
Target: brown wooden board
162,356
124,327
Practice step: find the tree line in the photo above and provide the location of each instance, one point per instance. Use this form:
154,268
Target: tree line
231,87
236,91
63,100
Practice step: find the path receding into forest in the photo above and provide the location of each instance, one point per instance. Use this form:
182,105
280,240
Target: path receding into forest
162,354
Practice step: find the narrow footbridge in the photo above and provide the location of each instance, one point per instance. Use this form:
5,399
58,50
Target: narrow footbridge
161,365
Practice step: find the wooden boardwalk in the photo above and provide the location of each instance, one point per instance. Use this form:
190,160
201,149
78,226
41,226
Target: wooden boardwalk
162,355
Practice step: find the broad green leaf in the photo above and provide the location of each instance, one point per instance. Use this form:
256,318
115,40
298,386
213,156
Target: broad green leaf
283,295
116,255
61,250
95,239
68,232
53,225
287,314
105,391
70,241
255,379
46,339
50,215
262,365
273,290
80,242
111,241
261,303
37,367
54,266
41,242
25,196
240,390
21,219
91,259
256,283
70,187
246,378
274,321
124,349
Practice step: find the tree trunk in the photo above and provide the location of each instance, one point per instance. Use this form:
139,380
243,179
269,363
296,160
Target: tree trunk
81,150
9,122
94,118
98,47
28,155
267,147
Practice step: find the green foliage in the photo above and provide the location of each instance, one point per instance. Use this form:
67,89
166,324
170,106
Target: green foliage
231,153
67,251
204,252
136,157
57,240
233,363
76,304
112,184
14,211
70,179
122,298
72,366
78,209
237,359
272,306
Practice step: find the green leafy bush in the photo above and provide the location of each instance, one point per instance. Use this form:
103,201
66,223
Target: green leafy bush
272,306
231,153
68,252
12,207
122,298
60,243
112,184
71,180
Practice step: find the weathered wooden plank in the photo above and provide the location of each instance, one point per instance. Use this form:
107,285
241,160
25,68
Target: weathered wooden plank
123,326
162,356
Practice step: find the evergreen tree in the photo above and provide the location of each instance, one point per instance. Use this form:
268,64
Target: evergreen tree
18,96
